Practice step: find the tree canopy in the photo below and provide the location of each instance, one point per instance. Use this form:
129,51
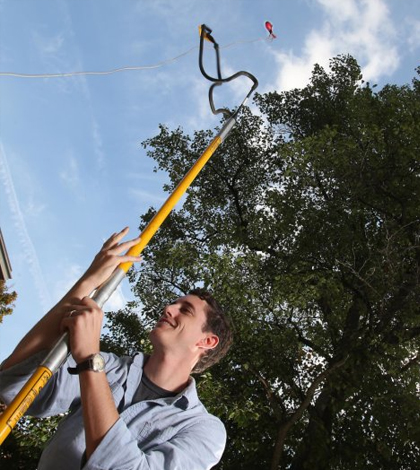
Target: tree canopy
305,225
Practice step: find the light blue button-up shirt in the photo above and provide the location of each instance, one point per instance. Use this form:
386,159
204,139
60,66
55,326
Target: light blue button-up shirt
174,433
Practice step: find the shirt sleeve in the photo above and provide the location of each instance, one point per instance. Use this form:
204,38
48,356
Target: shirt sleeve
54,398
197,447
60,391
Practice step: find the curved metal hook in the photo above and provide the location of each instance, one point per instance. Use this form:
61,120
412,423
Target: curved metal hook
205,34
224,111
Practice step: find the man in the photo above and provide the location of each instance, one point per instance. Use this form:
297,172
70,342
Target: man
132,412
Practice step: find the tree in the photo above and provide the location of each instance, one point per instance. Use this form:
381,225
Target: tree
306,226
23,447
6,300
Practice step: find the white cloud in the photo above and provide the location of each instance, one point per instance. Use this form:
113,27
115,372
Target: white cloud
413,31
362,28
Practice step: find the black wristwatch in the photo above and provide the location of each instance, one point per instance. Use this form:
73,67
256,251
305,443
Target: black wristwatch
96,363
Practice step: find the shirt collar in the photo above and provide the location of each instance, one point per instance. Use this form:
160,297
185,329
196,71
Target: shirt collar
185,399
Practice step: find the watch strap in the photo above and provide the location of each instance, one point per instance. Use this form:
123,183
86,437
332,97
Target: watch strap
88,364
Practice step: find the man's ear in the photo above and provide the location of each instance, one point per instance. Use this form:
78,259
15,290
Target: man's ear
209,342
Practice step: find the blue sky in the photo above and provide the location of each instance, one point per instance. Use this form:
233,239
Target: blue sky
72,170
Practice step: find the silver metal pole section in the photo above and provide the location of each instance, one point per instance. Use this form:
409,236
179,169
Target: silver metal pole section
227,128
105,291
58,354
61,349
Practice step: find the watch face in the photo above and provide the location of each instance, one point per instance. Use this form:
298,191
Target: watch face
98,362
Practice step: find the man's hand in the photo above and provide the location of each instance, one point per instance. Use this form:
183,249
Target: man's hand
84,323
108,258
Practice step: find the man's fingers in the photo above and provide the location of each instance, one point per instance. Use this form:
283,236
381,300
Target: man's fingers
115,238
84,323
126,245
112,246
130,259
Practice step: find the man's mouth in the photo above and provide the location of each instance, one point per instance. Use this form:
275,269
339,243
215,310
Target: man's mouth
165,320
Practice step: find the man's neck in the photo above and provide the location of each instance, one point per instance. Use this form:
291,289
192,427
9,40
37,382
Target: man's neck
168,373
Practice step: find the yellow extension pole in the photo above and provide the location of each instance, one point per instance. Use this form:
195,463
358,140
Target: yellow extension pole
172,200
23,400
60,351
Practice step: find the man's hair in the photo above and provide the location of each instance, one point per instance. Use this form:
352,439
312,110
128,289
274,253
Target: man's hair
218,324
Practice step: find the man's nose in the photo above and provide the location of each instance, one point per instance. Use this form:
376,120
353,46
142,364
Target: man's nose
168,310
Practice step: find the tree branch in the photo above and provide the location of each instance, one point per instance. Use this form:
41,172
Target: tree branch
286,425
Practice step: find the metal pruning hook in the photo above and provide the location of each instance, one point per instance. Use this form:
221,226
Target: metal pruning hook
205,35
60,350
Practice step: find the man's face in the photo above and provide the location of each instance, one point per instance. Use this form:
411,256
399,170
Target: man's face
180,328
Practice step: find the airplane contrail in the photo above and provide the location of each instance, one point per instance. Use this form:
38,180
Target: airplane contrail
28,247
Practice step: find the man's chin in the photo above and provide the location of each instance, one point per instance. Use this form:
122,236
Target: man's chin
157,331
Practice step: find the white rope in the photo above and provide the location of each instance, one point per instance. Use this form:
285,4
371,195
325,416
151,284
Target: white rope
120,69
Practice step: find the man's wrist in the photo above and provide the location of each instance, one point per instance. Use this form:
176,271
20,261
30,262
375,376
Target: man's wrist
94,363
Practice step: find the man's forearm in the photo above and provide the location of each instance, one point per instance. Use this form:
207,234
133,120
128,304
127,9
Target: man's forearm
46,332
99,411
